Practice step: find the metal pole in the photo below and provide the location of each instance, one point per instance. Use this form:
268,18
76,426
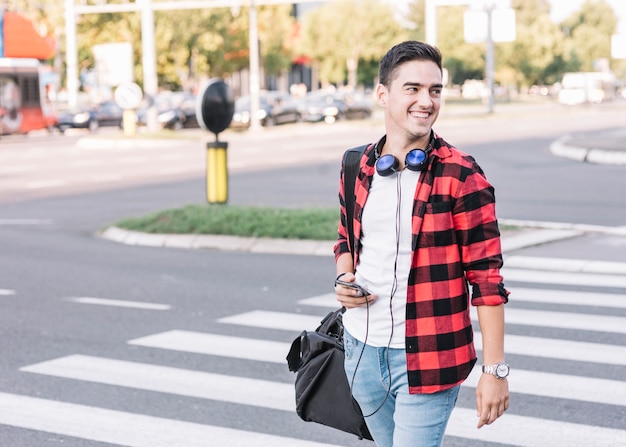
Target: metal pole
71,53
148,46
431,22
489,57
255,123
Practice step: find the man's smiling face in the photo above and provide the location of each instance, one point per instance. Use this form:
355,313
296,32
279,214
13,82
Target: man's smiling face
412,99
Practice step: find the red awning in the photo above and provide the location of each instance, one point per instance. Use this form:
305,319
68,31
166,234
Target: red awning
21,39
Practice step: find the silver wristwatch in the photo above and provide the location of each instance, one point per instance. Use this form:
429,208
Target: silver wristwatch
500,370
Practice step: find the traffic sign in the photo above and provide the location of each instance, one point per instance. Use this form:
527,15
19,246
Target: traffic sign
215,106
128,95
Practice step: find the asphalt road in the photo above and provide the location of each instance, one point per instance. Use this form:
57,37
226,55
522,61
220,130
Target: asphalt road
105,344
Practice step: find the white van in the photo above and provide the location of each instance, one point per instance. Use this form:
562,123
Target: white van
587,87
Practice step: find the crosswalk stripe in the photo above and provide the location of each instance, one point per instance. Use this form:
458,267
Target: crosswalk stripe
274,320
134,430
515,344
564,320
552,277
275,352
212,344
523,431
561,320
128,429
561,386
164,379
553,348
281,396
568,297
119,303
565,297
565,265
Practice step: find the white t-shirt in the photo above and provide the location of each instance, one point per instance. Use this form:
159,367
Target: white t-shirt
385,260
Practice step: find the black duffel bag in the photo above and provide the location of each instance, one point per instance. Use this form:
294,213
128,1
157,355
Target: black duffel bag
322,391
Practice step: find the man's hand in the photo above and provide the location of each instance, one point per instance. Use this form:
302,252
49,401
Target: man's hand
492,399
349,297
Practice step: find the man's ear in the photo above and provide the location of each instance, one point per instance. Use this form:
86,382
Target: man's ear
381,95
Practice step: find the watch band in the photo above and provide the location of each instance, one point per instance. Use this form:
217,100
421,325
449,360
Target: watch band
499,370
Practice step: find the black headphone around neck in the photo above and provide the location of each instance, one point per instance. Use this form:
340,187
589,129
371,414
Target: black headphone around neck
415,160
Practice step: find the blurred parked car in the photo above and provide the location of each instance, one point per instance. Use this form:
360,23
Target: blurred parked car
107,113
78,118
274,108
175,111
330,107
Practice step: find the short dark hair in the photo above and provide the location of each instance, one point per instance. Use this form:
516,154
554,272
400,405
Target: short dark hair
407,51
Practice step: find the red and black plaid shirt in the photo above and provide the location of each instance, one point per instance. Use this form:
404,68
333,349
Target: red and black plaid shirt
456,241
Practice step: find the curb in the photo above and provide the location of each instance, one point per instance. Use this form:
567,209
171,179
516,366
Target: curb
561,148
527,237
220,242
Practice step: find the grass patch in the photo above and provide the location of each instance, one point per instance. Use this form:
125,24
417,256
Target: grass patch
312,223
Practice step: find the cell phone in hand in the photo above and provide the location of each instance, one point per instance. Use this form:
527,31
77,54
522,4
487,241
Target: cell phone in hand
352,285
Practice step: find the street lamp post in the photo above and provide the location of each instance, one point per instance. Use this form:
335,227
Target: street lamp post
254,68
486,7
489,57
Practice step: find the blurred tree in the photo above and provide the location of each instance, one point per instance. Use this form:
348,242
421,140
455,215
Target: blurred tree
276,28
462,60
417,17
589,32
537,54
93,29
338,35
212,43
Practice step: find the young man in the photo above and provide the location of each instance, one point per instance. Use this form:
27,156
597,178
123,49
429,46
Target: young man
424,227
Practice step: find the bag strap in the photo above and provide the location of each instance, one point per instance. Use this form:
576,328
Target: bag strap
351,162
294,357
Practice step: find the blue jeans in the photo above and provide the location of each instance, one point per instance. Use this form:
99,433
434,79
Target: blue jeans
403,420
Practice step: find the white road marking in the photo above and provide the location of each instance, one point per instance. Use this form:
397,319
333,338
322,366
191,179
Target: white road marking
574,279
523,431
221,345
560,386
280,396
276,352
7,292
562,320
568,297
119,303
515,344
165,379
565,265
274,320
553,348
128,429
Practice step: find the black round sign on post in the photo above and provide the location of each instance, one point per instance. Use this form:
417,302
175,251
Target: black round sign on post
215,107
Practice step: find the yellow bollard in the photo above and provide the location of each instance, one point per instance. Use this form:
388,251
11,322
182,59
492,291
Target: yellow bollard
216,172
129,122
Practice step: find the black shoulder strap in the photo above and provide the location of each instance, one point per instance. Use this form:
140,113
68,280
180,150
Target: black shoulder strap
351,159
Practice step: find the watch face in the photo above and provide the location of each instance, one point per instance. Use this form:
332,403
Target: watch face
502,370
